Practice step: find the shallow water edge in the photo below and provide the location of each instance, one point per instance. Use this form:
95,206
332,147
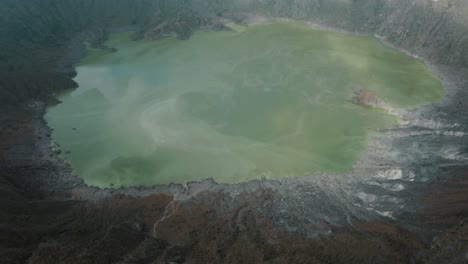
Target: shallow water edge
313,92
295,194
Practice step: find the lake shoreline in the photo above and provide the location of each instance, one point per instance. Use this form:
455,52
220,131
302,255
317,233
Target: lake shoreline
283,148
62,184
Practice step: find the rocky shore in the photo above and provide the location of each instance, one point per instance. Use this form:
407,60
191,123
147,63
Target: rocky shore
287,221
405,200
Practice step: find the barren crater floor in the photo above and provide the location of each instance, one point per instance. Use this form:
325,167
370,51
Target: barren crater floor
268,100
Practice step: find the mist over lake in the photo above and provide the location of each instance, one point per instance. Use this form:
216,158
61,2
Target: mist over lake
268,100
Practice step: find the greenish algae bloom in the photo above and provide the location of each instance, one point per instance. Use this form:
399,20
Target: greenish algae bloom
268,101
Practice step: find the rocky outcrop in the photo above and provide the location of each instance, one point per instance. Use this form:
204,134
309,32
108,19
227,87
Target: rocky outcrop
367,98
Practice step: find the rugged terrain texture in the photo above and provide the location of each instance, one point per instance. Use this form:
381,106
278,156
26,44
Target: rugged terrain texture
406,201
36,35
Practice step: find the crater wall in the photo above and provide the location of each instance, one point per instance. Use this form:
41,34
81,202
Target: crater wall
41,40
35,34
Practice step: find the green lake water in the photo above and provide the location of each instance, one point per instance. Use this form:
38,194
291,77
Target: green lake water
265,101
